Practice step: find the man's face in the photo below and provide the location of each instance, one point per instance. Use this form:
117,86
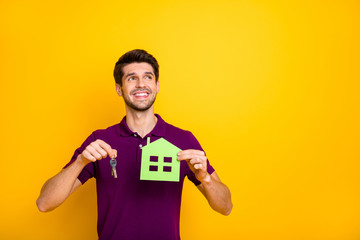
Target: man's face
139,87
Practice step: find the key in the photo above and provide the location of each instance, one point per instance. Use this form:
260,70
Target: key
113,166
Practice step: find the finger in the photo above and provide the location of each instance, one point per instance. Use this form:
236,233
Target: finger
191,156
88,156
99,149
192,151
114,154
107,148
93,152
196,160
186,156
198,166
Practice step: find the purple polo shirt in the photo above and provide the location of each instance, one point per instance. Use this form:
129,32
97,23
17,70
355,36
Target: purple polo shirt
130,208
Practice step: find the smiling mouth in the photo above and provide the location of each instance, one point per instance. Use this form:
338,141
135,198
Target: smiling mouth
141,94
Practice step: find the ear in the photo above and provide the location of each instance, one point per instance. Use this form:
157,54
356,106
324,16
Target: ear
118,89
157,86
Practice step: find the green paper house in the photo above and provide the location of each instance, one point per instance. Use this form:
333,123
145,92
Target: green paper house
159,161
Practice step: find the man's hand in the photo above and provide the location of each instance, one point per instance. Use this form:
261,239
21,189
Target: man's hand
97,150
197,162
58,188
217,193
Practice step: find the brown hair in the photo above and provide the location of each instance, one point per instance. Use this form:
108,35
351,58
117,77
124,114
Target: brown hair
137,55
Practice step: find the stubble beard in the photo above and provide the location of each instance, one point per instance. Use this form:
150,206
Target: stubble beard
132,105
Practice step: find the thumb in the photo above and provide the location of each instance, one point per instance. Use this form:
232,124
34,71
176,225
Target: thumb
114,153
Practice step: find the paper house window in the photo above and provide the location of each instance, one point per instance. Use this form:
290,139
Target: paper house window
159,161
153,168
153,158
167,169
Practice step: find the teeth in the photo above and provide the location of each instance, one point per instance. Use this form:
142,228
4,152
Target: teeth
141,94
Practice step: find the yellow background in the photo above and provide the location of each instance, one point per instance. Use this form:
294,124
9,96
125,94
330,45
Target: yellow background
269,88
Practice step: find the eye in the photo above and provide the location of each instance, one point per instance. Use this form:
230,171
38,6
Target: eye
131,78
149,77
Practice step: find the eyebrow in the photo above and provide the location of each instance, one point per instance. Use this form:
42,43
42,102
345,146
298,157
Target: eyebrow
149,73
129,74
132,73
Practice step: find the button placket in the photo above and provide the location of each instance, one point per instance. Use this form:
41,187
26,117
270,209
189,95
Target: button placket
141,143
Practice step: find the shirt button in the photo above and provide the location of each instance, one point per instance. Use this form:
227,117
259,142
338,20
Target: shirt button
135,135
140,145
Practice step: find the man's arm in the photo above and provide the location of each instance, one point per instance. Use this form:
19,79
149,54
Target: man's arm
217,194
58,188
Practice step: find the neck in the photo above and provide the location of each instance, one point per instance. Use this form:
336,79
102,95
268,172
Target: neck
141,122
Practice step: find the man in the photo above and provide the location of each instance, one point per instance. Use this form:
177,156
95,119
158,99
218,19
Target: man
130,207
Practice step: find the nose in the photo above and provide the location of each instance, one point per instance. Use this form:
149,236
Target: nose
140,83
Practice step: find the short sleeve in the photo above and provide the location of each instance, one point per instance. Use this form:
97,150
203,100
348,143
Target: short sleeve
89,170
194,144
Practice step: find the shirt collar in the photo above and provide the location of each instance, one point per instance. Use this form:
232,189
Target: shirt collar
158,130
